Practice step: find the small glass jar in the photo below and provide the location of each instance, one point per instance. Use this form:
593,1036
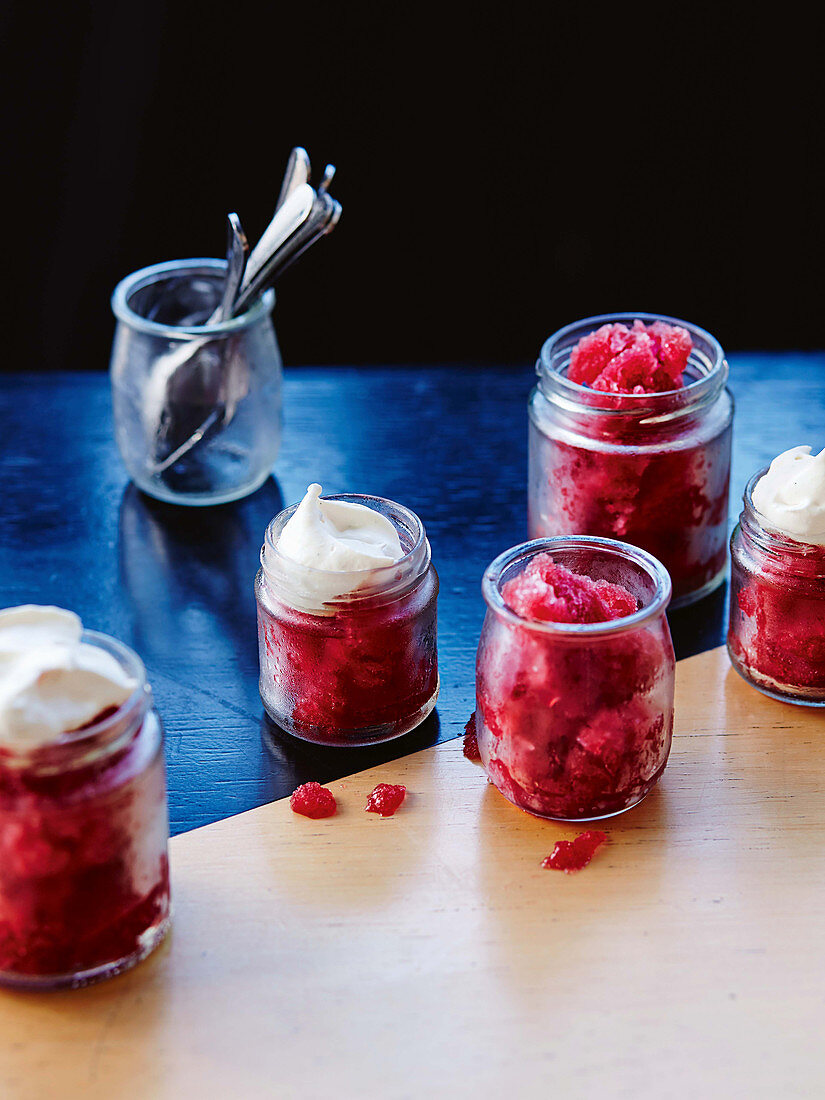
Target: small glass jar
652,469
197,406
84,871
776,635
574,720
361,667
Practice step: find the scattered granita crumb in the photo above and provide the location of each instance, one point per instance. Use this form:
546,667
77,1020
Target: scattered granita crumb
547,592
385,799
573,855
641,359
313,800
471,740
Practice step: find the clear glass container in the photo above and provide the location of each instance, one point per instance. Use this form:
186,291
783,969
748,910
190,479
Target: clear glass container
651,469
776,634
197,406
84,871
358,668
574,720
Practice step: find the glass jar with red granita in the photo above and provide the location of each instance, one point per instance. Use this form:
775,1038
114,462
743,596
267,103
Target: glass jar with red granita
84,872
348,656
630,438
575,676
776,634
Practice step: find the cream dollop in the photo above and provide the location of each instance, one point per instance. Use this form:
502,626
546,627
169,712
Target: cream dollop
340,542
791,495
50,681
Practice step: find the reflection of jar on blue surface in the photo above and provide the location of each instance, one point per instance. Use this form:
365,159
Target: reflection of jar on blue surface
197,406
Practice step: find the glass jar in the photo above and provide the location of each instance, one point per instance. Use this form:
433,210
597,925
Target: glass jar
197,406
358,668
574,720
84,872
776,635
652,469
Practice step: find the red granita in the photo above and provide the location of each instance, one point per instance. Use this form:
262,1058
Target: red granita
575,723
385,799
471,740
313,800
641,453
84,876
641,359
547,592
573,855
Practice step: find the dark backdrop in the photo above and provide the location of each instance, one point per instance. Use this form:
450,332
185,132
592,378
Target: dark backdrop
503,170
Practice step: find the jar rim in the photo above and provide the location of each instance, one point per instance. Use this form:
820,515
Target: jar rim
120,718
712,364
383,577
525,550
145,276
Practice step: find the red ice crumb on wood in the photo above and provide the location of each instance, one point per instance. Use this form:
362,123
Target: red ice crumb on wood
313,800
471,740
546,592
573,855
641,359
385,799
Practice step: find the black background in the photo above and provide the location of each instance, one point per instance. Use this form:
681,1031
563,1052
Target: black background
503,170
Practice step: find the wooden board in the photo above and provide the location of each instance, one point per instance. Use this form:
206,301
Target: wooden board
429,955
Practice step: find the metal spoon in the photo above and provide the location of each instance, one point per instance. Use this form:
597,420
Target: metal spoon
237,247
322,219
297,172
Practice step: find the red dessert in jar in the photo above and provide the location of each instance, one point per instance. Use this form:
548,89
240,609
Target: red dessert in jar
84,874
630,439
776,635
575,677
355,667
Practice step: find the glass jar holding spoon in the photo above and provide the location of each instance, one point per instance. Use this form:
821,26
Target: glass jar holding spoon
195,367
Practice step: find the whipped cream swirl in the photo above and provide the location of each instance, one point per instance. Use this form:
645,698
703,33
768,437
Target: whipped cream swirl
51,682
330,548
791,495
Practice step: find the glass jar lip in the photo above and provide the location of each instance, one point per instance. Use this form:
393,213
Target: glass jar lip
525,550
385,573
204,266
605,401
775,536
128,710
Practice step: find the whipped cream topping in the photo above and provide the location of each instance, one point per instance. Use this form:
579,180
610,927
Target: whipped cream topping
51,682
331,547
791,495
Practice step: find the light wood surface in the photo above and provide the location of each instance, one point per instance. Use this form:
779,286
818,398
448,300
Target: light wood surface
429,955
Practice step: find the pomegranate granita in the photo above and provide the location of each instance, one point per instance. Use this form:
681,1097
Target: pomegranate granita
313,800
346,599
574,676
776,636
84,875
630,438
574,855
386,798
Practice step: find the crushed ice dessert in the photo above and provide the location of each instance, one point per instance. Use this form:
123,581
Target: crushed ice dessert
313,800
776,634
636,359
574,855
386,798
575,677
84,876
630,438
346,600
